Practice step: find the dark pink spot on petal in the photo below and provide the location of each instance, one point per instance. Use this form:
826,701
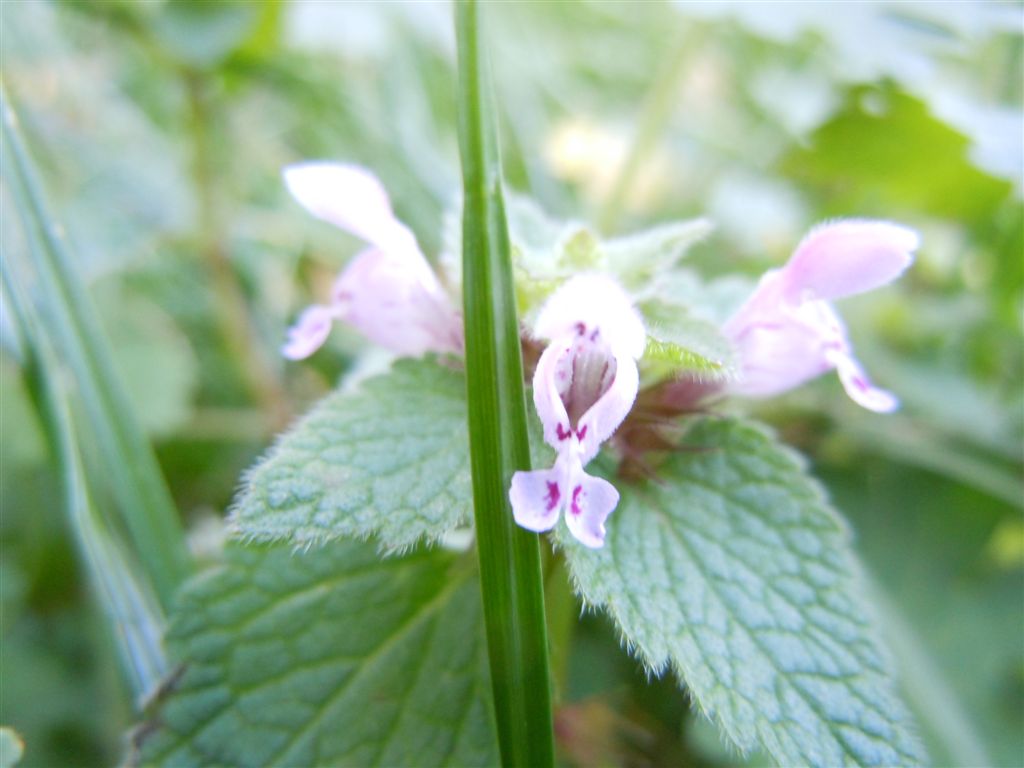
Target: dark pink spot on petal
593,336
574,507
581,432
581,329
562,433
553,496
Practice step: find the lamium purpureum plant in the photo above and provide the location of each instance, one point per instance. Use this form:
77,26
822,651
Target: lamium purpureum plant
352,636
727,566
586,380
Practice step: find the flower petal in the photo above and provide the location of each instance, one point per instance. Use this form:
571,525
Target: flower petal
848,257
396,305
595,303
349,197
309,332
782,347
590,502
859,387
538,497
546,396
602,418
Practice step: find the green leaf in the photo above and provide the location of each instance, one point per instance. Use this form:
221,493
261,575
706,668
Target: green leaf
532,230
11,747
638,258
388,458
546,252
714,301
734,571
886,152
682,312
328,657
548,255
203,33
680,342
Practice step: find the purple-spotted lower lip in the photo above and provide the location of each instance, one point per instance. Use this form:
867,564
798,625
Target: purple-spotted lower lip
564,433
574,505
553,496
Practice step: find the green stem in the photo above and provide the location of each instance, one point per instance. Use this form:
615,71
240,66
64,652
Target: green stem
510,571
230,308
74,330
657,111
562,611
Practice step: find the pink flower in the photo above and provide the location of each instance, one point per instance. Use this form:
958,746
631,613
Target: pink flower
388,292
585,383
787,333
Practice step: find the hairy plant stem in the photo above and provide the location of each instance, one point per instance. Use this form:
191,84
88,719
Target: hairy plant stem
510,569
229,305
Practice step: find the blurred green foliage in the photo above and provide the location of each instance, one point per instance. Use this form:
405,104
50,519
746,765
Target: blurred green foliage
162,128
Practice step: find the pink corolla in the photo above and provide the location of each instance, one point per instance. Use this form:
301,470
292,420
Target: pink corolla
787,332
388,292
585,384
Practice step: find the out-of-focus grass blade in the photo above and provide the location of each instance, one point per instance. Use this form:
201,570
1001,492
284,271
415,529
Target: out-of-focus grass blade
905,442
510,571
656,112
927,691
133,617
70,324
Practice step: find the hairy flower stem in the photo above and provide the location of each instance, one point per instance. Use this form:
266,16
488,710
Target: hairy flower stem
510,571
230,307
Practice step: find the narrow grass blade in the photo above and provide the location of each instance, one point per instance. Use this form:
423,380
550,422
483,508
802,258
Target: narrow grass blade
134,619
510,571
72,327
